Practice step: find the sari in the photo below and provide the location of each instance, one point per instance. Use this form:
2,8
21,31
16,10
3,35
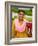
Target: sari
19,30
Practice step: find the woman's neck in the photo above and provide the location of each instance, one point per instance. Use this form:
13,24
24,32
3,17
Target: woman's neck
20,20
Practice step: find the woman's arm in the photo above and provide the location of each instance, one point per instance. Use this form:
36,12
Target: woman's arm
28,32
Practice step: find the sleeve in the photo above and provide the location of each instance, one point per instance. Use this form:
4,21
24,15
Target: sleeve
13,28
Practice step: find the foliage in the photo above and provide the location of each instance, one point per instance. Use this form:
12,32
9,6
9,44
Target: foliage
27,12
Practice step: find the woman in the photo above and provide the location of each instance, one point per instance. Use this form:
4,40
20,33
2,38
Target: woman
19,29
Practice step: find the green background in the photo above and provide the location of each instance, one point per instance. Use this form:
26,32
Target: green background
27,12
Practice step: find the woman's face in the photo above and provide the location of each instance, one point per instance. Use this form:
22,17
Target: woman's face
21,15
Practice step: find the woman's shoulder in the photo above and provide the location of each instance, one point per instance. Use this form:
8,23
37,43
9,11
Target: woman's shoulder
25,20
16,20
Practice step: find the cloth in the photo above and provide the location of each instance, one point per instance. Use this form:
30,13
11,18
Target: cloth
18,27
18,31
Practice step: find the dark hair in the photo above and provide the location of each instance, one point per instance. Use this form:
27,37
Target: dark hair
21,11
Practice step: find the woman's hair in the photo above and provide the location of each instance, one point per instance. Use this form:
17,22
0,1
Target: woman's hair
21,11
